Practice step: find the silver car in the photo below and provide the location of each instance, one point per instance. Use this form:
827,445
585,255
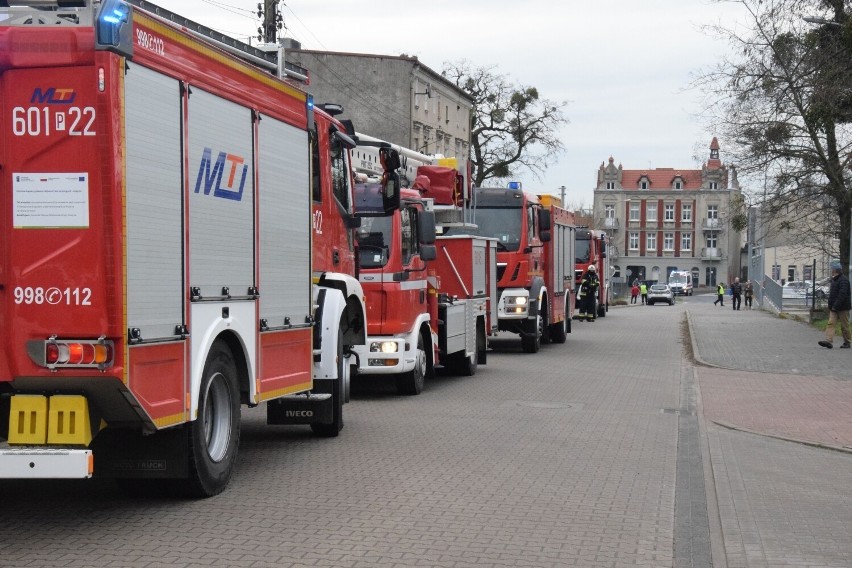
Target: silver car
660,293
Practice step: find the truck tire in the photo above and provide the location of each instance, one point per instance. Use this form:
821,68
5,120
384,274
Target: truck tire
559,330
463,364
531,342
338,394
411,383
214,436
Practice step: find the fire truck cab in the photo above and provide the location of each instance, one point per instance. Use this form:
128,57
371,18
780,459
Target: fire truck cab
535,247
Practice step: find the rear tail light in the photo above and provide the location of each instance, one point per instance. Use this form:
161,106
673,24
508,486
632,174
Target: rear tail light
72,353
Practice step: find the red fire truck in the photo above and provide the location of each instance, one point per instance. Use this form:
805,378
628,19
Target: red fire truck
162,188
591,249
535,248
428,298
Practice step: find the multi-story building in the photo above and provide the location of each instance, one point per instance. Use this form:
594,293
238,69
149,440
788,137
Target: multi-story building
394,98
666,219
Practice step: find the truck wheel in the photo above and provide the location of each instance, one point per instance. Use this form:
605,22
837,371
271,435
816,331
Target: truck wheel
214,435
531,342
338,394
411,383
559,332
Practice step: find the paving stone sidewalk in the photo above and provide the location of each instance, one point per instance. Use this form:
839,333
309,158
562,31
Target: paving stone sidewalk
764,383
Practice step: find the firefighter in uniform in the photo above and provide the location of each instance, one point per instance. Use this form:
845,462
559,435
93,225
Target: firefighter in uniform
588,294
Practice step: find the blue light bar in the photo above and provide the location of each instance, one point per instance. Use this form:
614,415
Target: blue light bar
114,15
514,185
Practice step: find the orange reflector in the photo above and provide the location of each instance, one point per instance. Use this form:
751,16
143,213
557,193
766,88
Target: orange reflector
101,354
91,463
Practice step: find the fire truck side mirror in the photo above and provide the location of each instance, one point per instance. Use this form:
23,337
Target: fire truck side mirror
545,236
603,248
544,221
426,230
390,192
428,252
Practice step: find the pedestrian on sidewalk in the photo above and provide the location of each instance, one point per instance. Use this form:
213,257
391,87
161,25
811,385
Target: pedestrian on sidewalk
736,293
720,293
634,293
643,289
749,294
839,304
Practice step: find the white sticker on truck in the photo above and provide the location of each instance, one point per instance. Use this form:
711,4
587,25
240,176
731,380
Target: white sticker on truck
50,200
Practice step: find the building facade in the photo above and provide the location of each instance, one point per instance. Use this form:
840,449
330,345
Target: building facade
666,219
394,98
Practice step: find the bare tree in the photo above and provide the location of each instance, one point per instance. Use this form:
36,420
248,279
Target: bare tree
511,127
785,99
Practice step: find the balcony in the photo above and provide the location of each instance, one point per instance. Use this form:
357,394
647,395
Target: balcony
711,253
610,223
711,224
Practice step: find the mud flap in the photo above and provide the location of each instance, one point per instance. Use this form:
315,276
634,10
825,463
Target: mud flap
313,408
129,454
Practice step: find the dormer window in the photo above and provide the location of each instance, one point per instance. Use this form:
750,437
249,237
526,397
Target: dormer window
610,185
714,185
644,183
677,184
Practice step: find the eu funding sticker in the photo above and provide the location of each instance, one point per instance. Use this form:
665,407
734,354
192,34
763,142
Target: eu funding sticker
51,200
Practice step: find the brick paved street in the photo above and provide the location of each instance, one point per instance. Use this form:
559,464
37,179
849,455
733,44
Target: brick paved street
588,454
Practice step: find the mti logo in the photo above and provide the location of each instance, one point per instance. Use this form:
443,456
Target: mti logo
53,96
213,179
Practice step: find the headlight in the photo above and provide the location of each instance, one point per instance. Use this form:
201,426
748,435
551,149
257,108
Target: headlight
384,347
517,300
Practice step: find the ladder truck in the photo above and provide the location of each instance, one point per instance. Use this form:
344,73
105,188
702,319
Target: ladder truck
429,298
535,251
163,190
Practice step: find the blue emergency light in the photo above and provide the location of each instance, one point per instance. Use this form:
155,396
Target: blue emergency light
113,27
514,185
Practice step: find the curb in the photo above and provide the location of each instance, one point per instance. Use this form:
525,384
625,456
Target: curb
820,445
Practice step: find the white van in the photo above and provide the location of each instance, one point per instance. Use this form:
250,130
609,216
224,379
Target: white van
680,281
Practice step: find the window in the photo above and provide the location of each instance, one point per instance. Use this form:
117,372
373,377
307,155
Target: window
634,241
669,212
668,241
609,211
712,211
610,185
634,212
340,174
651,211
686,213
409,233
711,240
714,185
791,272
678,184
532,228
643,184
686,241
651,242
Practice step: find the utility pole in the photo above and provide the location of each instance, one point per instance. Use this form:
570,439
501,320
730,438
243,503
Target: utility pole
562,194
272,21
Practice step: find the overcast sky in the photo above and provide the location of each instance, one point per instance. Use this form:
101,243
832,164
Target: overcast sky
623,66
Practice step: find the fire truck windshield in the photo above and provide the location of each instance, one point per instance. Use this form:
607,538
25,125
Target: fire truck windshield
581,249
374,241
501,223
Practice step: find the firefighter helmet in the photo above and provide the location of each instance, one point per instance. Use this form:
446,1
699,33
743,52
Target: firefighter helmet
592,268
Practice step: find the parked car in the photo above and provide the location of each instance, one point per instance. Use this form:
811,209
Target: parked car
660,293
797,289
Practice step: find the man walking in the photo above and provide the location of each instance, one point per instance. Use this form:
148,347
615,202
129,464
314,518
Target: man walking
839,304
749,294
588,294
736,293
643,289
720,293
